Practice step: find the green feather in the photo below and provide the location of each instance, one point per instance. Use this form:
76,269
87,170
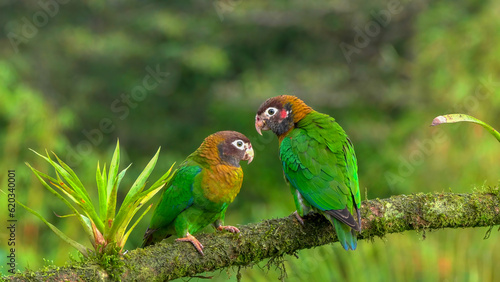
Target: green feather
177,197
320,163
183,206
345,236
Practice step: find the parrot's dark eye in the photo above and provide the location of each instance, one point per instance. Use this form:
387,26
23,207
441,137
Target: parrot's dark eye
239,144
271,111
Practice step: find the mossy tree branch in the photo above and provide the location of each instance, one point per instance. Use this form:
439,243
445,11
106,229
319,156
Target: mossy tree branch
278,237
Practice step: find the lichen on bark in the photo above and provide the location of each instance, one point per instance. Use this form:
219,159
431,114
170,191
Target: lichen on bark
275,238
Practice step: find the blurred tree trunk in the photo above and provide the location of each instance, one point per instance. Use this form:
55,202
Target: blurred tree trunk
275,238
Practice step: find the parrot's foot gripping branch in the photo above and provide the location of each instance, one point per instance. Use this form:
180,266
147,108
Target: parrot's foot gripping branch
194,241
231,229
299,218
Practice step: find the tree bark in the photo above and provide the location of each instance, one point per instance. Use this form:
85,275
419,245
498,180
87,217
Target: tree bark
275,238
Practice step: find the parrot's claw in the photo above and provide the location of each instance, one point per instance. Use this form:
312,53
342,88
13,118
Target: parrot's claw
194,241
231,229
299,218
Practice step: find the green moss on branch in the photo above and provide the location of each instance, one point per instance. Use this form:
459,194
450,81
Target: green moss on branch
277,237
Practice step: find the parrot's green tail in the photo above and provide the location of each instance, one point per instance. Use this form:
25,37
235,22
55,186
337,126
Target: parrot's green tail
346,235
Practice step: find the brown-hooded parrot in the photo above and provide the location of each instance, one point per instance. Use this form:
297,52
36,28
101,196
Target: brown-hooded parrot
201,190
318,162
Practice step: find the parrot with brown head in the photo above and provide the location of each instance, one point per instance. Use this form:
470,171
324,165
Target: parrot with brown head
318,161
201,190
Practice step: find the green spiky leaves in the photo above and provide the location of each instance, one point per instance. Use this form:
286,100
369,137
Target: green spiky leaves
107,227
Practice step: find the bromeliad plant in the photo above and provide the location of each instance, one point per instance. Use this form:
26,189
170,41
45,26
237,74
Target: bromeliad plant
105,226
453,118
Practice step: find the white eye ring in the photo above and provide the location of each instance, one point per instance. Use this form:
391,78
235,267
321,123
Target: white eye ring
239,144
271,111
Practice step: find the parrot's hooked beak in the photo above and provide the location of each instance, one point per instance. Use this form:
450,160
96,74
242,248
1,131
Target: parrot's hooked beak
260,124
249,154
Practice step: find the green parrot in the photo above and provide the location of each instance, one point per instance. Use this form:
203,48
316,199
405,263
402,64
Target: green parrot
201,190
318,162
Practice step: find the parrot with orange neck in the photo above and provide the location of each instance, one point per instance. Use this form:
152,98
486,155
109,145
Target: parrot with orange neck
318,161
201,190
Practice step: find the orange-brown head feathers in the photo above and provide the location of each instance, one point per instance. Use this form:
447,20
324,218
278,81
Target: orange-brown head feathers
228,147
280,114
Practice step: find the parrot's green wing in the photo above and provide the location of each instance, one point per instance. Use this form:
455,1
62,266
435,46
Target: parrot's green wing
318,160
352,171
177,197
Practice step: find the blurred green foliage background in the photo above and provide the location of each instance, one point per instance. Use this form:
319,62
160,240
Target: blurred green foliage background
383,69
